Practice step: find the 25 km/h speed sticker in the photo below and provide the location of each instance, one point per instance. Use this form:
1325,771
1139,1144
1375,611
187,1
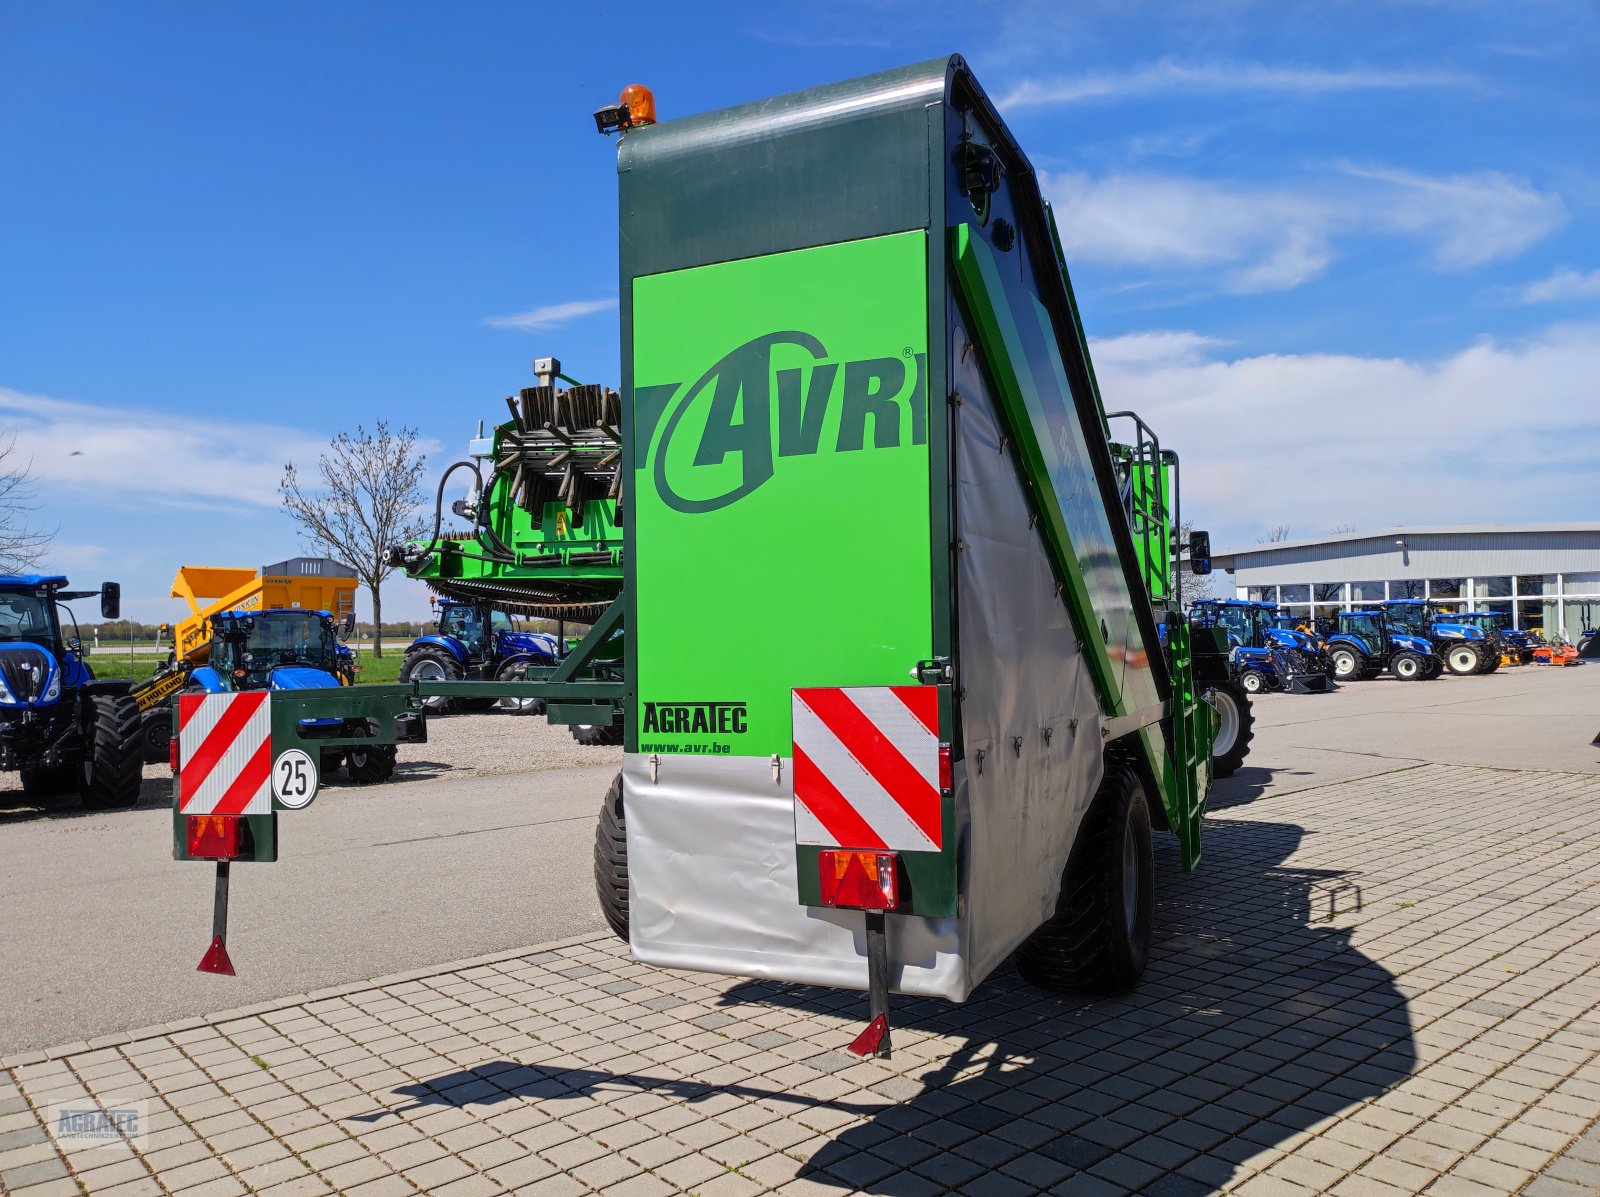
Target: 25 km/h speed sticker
294,778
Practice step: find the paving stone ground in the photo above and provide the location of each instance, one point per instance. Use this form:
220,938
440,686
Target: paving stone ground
1384,986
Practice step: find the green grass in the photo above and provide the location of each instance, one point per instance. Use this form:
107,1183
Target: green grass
373,669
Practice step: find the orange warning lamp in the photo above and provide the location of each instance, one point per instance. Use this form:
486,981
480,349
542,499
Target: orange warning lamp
635,107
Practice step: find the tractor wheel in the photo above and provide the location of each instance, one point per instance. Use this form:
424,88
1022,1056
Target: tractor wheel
611,861
1464,658
1408,667
49,781
1236,723
1349,664
513,670
1432,668
329,762
364,766
1253,681
1099,937
157,736
597,735
429,664
113,760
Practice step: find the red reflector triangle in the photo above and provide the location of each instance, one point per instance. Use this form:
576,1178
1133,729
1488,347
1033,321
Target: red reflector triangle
866,1043
216,959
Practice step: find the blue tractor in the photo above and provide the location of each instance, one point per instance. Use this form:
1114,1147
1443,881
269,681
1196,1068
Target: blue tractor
1264,656
1516,644
60,727
1462,646
1364,643
477,642
297,649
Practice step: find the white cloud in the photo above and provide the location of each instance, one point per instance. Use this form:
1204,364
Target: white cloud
550,316
97,453
1563,284
1253,238
1169,77
1494,433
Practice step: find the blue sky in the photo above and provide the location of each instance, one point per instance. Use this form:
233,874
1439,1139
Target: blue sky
1345,255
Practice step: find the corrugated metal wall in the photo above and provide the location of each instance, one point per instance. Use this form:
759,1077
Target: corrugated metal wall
1425,555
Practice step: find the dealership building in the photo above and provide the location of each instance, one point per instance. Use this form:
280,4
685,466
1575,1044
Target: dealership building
1545,576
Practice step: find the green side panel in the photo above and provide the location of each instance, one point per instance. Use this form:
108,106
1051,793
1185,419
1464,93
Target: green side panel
780,488
1019,349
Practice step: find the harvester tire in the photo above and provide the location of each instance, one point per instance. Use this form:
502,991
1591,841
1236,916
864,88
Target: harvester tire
1253,681
513,670
597,735
156,736
113,760
1408,667
1099,938
1349,664
1464,658
1236,727
49,781
366,766
432,664
611,861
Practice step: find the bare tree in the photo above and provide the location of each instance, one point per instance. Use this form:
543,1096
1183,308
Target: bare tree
21,544
1277,533
369,498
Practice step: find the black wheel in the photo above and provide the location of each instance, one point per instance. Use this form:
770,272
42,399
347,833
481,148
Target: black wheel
1463,658
597,735
364,766
49,781
430,664
1236,724
1099,937
329,762
1432,668
513,669
1349,663
157,736
1408,667
611,861
1253,681
113,760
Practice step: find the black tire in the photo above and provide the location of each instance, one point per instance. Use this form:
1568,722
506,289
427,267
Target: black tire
1408,667
1253,681
113,761
1098,941
367,766
1238,727
1464,657
1432,668
597,735
49,781
156,736
329,762
435,664
1349,664
513,669
611,861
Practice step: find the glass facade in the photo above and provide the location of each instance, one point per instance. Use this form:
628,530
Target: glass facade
1554,605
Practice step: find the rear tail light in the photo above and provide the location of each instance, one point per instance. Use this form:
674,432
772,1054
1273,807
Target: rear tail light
859,880
172,753
946,774
215,837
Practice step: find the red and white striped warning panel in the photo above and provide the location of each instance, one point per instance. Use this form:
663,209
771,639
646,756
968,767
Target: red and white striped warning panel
225,763
866,767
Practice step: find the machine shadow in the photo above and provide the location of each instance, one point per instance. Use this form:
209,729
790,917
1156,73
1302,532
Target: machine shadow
1255,1019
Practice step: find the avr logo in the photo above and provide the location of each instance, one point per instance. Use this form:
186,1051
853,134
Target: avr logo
718,442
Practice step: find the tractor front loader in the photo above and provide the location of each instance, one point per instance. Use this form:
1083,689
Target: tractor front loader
859,430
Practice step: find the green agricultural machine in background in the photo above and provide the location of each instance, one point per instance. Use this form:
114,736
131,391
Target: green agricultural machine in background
858,433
